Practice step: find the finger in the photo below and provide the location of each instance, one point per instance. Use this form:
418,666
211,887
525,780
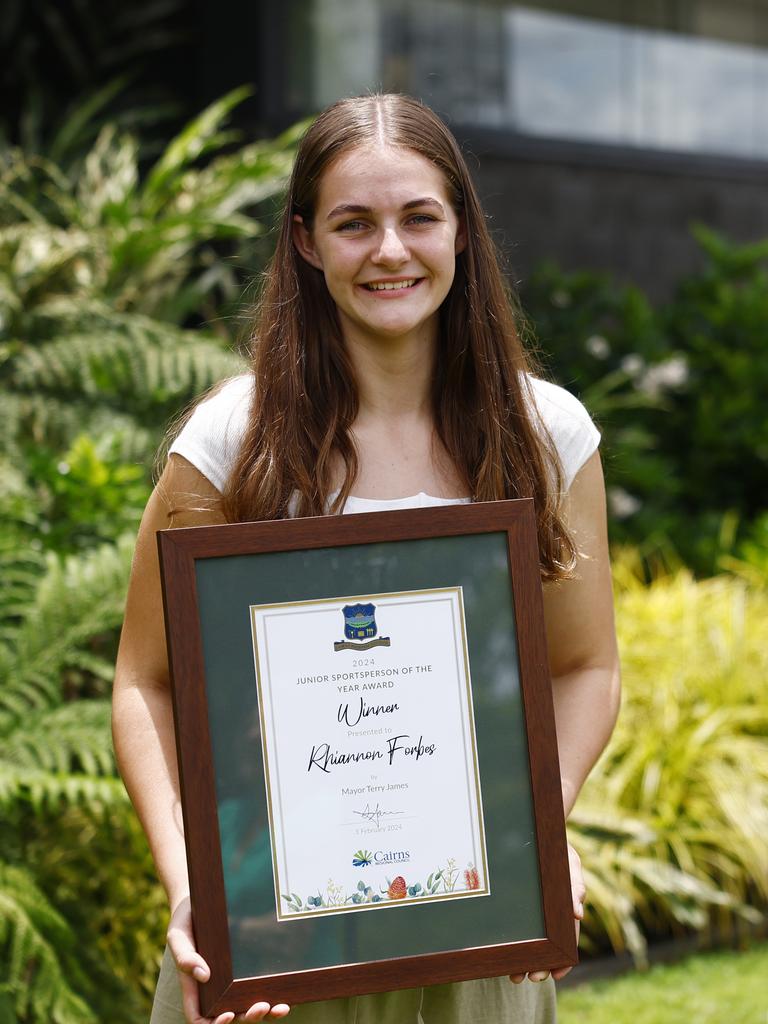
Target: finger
538,975
191,963
191,1004
257,1012
517,978
561,972
261,1010
187,959
578,888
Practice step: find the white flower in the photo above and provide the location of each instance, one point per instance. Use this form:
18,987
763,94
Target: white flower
597,346
632,364
621,503
671,374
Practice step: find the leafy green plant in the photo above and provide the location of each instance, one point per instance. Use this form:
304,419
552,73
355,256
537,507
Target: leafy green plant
603,342
749,559
100,266
87,494
672,821
90,56
56,651
719,423
678,392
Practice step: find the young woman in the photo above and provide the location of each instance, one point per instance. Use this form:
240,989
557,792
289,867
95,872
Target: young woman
387,372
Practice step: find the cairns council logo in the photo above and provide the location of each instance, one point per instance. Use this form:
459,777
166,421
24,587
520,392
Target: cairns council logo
360,629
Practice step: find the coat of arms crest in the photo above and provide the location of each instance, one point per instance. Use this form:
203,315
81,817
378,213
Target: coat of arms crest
360,629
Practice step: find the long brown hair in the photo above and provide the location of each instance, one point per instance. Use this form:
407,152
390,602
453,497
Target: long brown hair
305,395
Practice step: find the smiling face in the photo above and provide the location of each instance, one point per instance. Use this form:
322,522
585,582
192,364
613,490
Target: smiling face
385,236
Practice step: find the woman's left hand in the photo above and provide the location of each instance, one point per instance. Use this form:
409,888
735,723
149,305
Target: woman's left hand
578,892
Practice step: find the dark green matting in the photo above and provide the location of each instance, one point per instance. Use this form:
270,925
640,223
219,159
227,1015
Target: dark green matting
226,587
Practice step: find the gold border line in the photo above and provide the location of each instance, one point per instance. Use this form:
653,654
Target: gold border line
473,738
267,772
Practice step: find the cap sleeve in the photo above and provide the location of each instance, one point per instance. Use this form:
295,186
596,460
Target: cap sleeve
212,436
570,426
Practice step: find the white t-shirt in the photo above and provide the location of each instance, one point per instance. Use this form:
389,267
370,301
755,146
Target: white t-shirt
211,437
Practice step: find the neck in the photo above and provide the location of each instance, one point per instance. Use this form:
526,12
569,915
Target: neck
394,375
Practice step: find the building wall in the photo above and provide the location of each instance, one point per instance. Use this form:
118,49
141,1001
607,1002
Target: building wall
629,217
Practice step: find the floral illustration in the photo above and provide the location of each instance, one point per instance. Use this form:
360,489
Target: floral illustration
397,889
450,875
440,882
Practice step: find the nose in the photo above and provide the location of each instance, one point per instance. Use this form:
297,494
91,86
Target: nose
391,251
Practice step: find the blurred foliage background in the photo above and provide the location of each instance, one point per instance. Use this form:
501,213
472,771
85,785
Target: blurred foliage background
128,247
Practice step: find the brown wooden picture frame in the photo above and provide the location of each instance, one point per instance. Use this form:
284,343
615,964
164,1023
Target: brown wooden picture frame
180,551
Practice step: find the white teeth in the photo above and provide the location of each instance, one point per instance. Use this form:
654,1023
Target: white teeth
390,286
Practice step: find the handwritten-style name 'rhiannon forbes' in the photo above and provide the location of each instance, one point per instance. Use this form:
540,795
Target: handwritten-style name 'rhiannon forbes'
324,758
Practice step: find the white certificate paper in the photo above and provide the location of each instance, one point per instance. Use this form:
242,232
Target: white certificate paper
370,755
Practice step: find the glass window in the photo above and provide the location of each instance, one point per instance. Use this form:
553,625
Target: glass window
567,76
697,94
690,75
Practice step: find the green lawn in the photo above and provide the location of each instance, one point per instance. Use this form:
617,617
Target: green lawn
712,988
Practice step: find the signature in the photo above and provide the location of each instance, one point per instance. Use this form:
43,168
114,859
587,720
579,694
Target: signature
375,814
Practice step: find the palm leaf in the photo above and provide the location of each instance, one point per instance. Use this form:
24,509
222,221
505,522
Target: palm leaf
200,136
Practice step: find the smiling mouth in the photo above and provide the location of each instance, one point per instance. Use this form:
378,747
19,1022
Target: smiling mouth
391,286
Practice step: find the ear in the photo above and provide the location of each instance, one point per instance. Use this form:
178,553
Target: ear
461,235
302,239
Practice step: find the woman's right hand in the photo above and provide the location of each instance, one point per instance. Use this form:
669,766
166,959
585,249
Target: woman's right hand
193,969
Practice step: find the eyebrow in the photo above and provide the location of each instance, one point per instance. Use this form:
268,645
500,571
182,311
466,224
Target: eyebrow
345,208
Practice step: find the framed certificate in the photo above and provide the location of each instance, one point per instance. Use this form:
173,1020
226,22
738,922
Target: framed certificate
366,743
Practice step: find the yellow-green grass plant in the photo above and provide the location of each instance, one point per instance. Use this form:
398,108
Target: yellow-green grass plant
672,823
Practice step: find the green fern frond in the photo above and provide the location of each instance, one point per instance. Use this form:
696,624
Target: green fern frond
77,599
130,367
53,421
55,315
72,738
32,936
21,566
18,585
48,792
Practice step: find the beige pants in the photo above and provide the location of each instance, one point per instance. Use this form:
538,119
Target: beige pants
490,1001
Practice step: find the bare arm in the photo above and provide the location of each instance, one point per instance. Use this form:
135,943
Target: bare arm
583,655
142,717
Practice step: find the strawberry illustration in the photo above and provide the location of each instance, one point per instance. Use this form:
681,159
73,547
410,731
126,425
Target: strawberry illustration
398,889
